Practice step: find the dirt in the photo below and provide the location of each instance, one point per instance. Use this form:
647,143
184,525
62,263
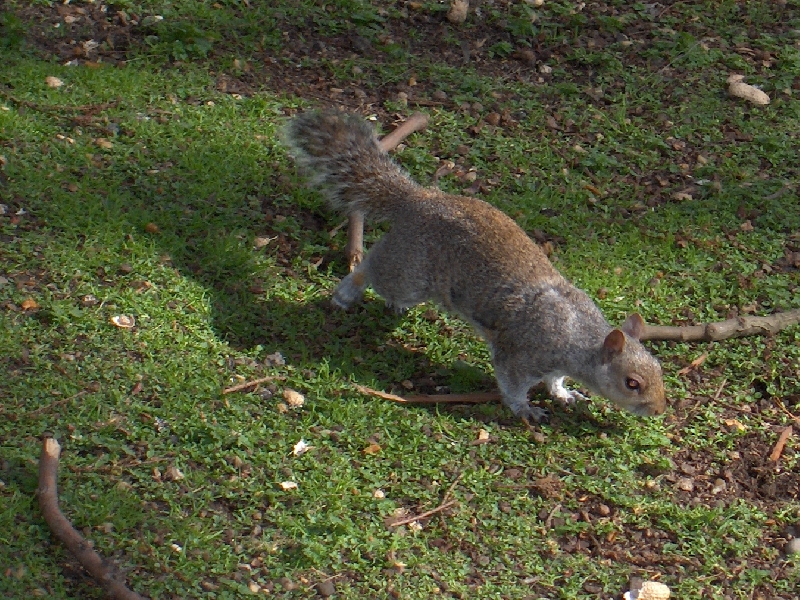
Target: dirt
748,473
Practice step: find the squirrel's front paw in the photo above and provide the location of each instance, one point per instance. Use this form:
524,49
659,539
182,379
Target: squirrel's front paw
559,392
570,396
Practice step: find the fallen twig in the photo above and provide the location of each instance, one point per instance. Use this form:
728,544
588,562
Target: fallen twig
722,330
789,414
548,522
426,514
452,486
475,398
55,109
105,573
721,387
779,445
355,226
248,384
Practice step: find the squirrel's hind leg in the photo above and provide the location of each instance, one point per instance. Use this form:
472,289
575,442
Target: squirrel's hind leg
351,289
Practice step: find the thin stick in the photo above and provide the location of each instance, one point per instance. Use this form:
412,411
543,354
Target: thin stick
778,449
57,403
370,392
424,515
476,398
105,573
794,417
86,108
335,230
355,226
473,398
721,387
452,486
253,383
548,522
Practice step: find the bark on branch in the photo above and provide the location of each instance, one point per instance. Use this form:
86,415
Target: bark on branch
105,573
722,330
355,226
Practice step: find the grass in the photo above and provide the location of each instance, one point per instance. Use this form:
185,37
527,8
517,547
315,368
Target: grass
213,304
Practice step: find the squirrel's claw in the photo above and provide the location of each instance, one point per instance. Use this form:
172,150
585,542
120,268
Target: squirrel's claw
532,415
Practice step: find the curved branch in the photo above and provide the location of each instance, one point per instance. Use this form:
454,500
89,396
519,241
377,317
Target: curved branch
106,574
722,330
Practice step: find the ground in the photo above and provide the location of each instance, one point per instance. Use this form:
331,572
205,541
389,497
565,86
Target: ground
711,512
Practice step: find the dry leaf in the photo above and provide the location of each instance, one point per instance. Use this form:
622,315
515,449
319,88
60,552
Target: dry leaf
123,321
173,474
53,82
260,242
104,143
288,485
694,364
650,590
30,304
458,11
293,398
301,448
734,424
373,448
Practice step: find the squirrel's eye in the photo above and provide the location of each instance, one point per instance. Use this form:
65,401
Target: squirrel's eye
632,384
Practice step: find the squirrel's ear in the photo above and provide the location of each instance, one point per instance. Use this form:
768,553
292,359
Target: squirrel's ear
613,345
633,326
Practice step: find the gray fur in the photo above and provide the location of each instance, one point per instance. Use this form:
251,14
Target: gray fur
472,259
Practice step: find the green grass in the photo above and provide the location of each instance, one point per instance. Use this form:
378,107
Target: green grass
212,305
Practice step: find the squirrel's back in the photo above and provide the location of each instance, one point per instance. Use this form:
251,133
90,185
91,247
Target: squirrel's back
341,153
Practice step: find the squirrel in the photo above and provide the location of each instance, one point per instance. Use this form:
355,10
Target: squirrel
474,260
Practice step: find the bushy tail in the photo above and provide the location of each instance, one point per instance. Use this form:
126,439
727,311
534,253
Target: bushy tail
340,151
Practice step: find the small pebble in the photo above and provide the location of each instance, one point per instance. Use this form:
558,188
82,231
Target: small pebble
326,588
287,584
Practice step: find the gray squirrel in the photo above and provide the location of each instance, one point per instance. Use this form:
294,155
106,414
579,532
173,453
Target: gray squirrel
472,259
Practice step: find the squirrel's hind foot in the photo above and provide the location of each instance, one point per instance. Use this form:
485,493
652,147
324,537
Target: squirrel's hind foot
349,291
531,415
